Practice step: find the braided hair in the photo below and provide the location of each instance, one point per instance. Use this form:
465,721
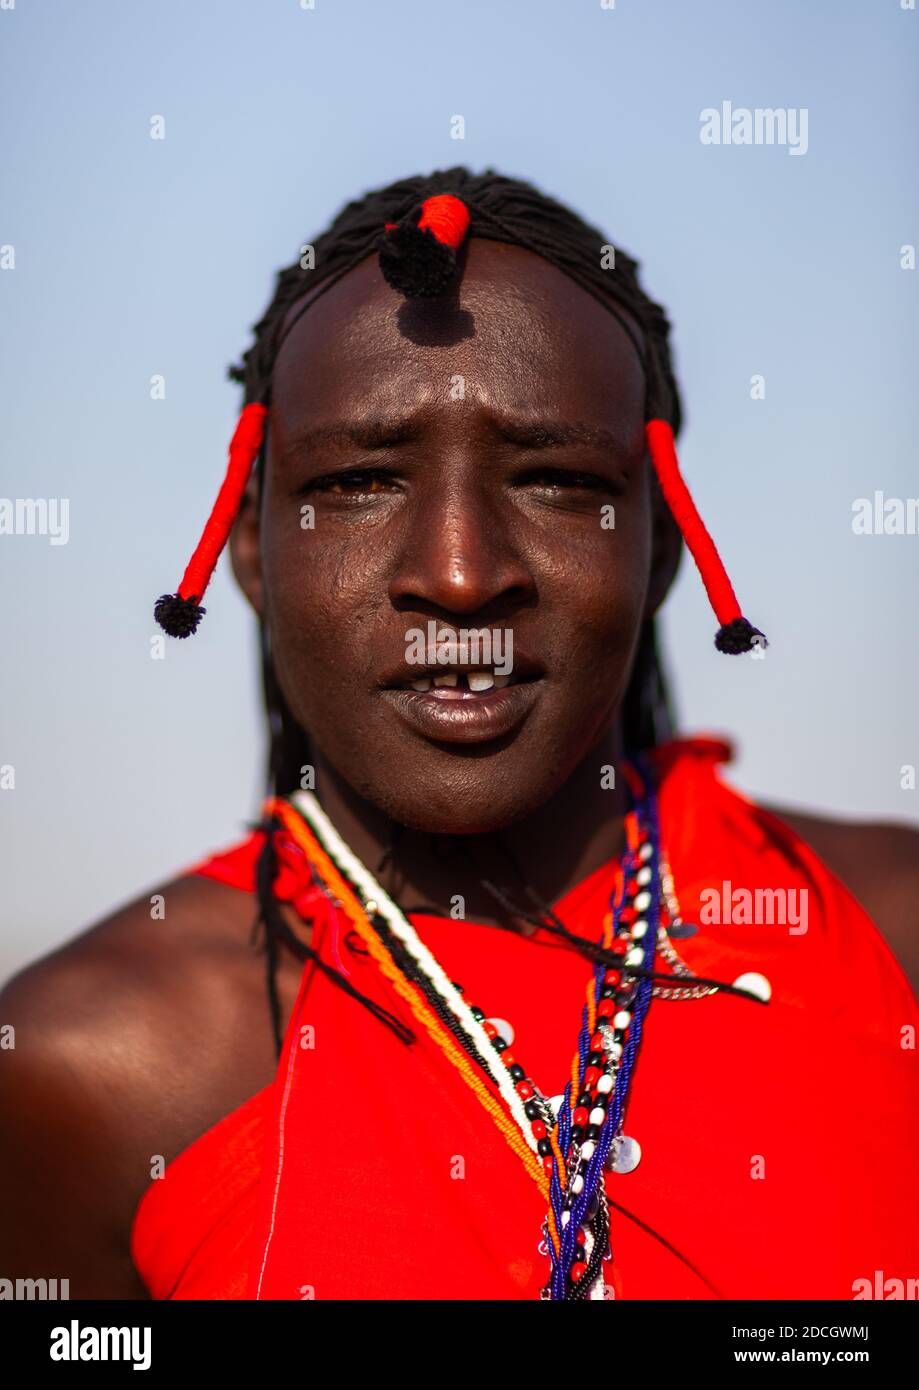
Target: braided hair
507,210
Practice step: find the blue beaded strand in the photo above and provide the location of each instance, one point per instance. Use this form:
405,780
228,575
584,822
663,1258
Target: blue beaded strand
646,811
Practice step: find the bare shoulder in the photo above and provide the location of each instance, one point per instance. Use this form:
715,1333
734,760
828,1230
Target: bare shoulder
128,1042
879,864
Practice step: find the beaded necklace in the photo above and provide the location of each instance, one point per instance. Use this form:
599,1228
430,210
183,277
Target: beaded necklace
567,1142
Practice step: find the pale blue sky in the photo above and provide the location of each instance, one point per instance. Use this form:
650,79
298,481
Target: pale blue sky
136,257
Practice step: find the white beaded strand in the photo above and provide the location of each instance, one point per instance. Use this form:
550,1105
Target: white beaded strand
351,867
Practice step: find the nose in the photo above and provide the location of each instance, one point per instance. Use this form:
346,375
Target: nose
460,559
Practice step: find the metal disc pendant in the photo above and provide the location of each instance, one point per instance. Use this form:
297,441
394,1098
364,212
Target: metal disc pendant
756,984
625,1155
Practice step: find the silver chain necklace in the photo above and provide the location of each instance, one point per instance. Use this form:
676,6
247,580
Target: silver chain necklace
668,950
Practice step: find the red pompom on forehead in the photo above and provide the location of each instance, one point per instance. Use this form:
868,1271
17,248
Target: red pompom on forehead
447,218
418,256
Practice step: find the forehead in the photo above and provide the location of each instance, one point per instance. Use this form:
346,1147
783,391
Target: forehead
522,336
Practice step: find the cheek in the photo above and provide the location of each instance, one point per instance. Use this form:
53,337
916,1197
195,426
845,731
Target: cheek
318,612
597,588
331,625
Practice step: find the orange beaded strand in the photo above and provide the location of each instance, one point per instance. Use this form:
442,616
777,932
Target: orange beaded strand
353,909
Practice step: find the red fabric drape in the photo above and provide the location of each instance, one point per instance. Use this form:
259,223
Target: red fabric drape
778,1143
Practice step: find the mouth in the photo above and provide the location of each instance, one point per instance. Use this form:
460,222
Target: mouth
462,684
464,705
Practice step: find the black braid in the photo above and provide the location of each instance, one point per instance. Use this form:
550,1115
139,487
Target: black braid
277,930
549,922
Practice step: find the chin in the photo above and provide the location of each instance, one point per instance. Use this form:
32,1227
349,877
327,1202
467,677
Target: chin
453,802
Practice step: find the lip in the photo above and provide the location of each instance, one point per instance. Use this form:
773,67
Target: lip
471,718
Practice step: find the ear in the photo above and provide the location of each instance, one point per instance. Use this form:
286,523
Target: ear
666,547
245,545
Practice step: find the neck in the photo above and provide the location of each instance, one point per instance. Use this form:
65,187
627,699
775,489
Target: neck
548,851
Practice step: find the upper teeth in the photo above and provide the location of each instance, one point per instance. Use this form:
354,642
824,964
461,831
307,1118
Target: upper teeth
476,681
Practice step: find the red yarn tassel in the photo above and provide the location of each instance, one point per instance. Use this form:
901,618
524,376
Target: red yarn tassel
179,613
735,634
446,217
418,254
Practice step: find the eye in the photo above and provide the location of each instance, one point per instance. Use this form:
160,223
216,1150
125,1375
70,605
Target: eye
561,477
354,482
559,480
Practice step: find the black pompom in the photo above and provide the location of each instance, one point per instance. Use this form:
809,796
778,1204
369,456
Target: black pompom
177,615
739,636
415,263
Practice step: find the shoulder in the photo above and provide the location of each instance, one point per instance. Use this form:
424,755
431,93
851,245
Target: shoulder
154,955
121,1046
879,864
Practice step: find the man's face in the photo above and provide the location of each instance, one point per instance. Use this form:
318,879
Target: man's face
478,466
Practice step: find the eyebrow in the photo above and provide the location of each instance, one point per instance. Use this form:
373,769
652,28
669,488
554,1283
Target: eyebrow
550,434
366,434
381,433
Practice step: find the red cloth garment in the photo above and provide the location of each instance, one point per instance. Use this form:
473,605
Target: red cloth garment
778,1142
